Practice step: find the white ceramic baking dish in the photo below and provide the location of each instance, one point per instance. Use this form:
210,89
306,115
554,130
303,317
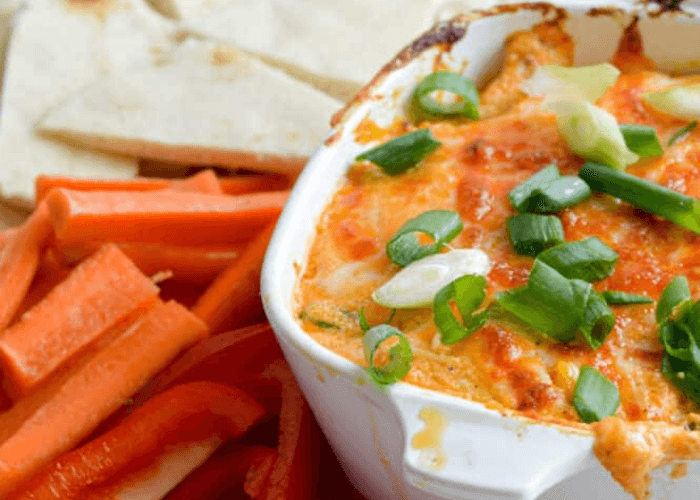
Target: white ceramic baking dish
483,455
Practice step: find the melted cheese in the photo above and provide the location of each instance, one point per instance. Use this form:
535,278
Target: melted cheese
501,365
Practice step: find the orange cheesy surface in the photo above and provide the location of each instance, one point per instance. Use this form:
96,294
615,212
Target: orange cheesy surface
472,173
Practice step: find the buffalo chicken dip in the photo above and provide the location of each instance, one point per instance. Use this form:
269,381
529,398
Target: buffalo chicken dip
533,246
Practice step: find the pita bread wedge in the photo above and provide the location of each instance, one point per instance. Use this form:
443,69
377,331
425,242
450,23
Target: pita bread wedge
52,52
335,46
203,103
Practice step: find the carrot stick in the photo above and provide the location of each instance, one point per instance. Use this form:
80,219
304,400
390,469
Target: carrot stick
226,471
293,476
189,412
95,296
160,216
61,414
203,182
198,265
230,185
44,184
237,290
254,183
19,259
6,236
189,264
49,274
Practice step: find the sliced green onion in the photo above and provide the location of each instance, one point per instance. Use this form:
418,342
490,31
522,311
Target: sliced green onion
364,324
441,225
598,319
592,133
588,260
416,284
400,355
595,396
548,303
617,298
584,82
674,300
691,319
679,333
679,342
683,375
654,198
562,309
520,194
681,102
682,132
465,102
404,152
547,191
557,195
468,293
641,140
530,234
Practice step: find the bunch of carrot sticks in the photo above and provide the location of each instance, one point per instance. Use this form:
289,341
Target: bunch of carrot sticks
132,342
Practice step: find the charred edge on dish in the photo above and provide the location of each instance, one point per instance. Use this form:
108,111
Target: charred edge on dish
446,34
546,9
667,5
606,12
657,8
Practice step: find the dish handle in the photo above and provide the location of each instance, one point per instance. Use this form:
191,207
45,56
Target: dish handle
463,451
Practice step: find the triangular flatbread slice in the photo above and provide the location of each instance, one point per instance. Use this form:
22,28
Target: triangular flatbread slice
202,103
53,50
335,46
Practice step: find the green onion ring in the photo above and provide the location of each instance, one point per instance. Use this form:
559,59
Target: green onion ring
424,106
531,234
400,355
641,140
589,259
675,299
442,225
617,298
469,293
595,396
398,155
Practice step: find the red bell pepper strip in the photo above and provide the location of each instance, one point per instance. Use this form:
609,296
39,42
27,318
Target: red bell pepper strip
237,358
333,483
228,471
187,412
294,473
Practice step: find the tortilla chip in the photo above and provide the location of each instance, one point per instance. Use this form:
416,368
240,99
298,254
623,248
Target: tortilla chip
53,51
203,103
335,46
